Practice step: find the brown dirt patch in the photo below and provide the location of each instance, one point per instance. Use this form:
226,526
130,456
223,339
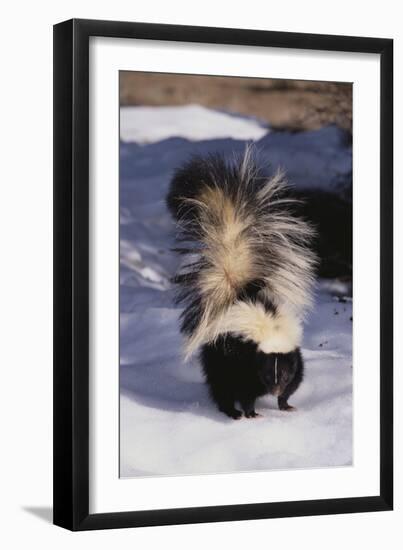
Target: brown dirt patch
287,104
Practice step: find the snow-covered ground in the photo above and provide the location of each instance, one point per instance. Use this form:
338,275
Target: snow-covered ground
168,424
193,122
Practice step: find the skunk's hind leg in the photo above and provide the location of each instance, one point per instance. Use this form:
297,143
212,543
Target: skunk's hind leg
248,407
293,385
284,406
282,400
229,409
218,370
223,397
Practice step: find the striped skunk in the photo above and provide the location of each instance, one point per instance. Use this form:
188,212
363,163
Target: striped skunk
246,279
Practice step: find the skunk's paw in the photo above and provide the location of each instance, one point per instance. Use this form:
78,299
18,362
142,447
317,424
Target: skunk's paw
288,408
253,414
232,413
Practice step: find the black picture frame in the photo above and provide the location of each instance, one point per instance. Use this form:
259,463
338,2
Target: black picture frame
71,274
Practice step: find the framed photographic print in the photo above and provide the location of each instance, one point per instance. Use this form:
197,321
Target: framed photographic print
223,319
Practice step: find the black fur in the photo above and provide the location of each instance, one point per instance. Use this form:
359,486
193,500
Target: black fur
237,372
214,171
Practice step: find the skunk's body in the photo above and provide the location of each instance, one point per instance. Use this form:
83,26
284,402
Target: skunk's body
237,372
246,279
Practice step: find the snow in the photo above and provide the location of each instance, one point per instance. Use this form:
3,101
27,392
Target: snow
168,425
317,159
193,122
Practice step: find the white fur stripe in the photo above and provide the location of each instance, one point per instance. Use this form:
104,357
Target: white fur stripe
274,333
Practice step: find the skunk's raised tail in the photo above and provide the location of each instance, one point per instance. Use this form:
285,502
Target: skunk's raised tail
247,262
